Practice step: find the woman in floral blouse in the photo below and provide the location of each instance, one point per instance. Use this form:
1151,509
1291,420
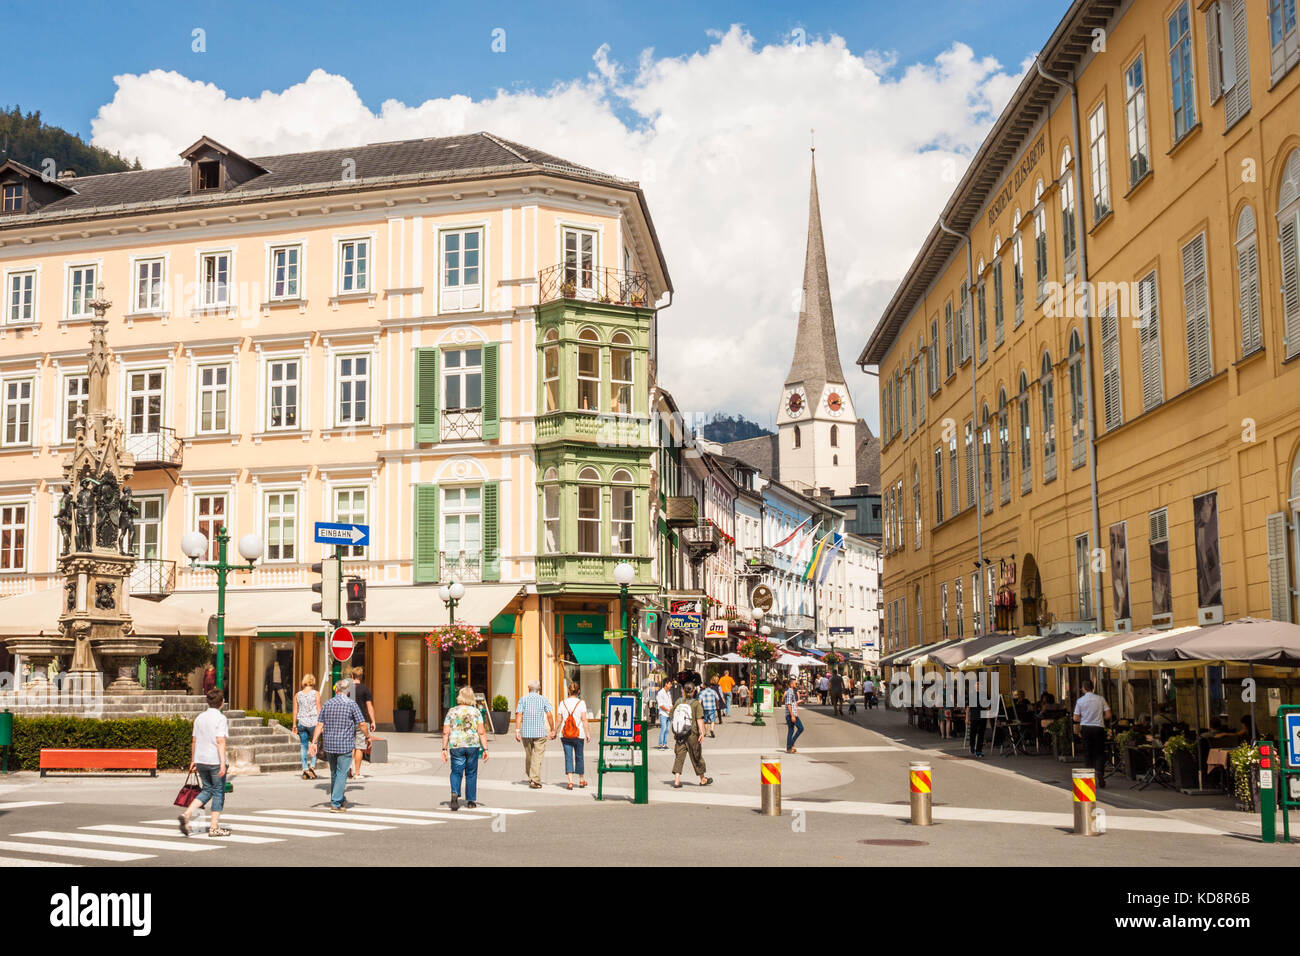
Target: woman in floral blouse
462,738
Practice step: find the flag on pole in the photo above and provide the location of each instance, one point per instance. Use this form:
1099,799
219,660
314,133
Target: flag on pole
790,537
828,559
818,552
802,547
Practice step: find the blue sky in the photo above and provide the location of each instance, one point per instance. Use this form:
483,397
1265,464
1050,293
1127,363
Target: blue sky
713,124
414,51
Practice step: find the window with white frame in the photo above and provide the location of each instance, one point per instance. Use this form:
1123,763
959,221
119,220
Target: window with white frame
1047,389
589,511
1182,81
1288,230
551,511
1135,113
943,608
13,537
282,393
81,289
1078,399
1153,387
462,530
214,399
354,266
620,360
214,279
286,273
462,277
20,304
961,610
1026,438
1252,337
352,384
149,285
1100,163
462,379
148,527
281,525
1040,240
210,518
551,371
970,465
351,507
13,197
938,485
17,402
999,312
1196,311
1283,37
580,259
916,507
76,395
622,517
1018,272
588,370
1068,237
144,401
954,483
1081,565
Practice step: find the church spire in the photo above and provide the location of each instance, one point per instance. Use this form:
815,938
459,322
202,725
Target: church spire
816,351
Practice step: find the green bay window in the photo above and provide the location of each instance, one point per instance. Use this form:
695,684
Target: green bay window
588,371
589,511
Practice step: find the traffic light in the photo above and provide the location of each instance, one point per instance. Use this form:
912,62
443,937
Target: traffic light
356,588
330,571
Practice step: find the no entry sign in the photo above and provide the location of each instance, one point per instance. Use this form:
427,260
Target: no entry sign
341,644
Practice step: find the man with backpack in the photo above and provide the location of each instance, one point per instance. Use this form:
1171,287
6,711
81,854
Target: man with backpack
688,728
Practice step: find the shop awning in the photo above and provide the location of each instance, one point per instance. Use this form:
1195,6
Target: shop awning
1072,656
37,612
1245,641
991,656
1113,657
954,652
1037,651
591,650
907,655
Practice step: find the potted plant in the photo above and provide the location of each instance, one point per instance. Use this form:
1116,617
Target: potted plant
833,658
500,714
568,289
456,638
1061,730
1243,763
404,714
1132,758
1180,754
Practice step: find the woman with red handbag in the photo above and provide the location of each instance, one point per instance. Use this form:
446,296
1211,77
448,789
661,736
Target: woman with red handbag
208,758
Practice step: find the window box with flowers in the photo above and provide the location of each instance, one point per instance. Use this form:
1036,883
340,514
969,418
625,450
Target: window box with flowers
456,638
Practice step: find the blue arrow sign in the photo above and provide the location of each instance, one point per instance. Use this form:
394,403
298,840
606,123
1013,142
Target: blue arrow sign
355,534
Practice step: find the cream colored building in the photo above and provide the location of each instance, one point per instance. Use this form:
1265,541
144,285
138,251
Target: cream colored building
345,335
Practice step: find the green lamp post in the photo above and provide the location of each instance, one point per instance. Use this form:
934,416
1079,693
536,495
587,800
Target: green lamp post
194,545
451,593
758,699
624,574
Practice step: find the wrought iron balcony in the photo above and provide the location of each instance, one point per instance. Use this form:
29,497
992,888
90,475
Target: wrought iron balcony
682,511
153,577
465,566
155,449
759,559
703,539
610,286
462,424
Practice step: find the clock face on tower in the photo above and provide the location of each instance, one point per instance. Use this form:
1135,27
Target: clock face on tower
795,404
835,403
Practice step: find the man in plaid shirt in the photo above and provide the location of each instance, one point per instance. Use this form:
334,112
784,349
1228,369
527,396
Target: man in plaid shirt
710,700
536,725
340,718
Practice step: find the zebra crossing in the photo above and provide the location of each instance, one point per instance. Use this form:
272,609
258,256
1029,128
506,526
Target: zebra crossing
154,839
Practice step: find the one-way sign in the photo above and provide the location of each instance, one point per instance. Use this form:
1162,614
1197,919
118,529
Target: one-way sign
356,534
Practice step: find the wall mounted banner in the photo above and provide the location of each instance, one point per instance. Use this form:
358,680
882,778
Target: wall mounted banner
1119,571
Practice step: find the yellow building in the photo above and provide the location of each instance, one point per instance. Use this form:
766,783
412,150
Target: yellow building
426,337
1090,374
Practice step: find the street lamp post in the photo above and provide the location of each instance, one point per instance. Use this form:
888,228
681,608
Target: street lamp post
194,545
758,699
451,593
624,573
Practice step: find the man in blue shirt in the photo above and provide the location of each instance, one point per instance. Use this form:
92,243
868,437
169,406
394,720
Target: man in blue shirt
535,724
340,719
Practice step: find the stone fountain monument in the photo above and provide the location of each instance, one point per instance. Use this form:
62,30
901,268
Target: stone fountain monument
96,521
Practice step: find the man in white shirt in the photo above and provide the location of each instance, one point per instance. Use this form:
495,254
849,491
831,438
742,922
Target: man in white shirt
869,692
208,759
664,701
1091,713
823,687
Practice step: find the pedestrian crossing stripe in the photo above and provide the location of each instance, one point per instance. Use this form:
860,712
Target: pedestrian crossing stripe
920,781
73,836
253,828
352,815
173,832
19,804
335,822
16,861
46,849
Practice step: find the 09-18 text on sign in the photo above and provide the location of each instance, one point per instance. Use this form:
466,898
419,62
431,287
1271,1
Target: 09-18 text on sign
618,719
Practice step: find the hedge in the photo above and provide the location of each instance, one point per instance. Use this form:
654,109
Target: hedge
170,736
285,720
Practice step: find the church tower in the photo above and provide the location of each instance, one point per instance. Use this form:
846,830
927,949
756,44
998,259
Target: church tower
816,423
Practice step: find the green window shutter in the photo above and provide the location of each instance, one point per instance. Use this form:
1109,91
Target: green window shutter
426,533
491,408
426,395
491,529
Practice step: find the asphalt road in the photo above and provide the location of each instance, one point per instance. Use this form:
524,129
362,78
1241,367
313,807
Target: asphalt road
845,789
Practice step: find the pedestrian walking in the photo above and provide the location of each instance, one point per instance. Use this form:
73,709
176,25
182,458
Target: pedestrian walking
209,678
793,725
688,729
664,701
208,760
337,730
869,693
306,711
365,700
535,724
726,684
573,733
710,700
463,739
836,688
1091,713
975,728
823,687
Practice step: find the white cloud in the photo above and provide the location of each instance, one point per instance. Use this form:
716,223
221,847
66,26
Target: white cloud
718,139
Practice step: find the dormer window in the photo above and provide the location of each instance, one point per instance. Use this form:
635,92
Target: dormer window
209,175
13,197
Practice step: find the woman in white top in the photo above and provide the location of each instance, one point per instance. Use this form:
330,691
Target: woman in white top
572,718
306,712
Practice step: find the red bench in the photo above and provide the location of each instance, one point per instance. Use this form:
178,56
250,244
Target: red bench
100,760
